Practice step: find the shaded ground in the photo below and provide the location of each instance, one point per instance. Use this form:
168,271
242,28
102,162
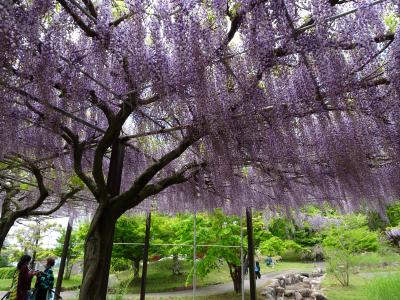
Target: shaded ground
203,291
210,290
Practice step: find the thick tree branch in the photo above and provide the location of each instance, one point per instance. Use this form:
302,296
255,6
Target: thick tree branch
78,148
121,19
151,171
112,133
101,105
154,132
83,10
43,192
89,32
157,187
89,5
63,200
53,107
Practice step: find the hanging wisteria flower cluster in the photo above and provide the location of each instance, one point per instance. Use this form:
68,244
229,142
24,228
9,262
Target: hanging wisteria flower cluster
269,103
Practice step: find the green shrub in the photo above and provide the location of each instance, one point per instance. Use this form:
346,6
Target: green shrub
276,246
119,264
385,287
7,272
354,240
339,264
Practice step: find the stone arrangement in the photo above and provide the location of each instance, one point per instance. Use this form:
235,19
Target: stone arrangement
301,286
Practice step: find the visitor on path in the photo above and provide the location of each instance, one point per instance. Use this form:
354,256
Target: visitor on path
257,270
45,281
22,278
269,262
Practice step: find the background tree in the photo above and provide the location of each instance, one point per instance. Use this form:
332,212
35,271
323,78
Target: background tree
30,237
74,251
218,229
130,230
24,194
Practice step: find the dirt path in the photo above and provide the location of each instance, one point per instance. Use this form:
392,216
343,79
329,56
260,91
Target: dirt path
202,291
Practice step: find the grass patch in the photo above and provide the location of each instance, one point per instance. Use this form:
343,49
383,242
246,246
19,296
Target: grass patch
354,291
226,296
374,260
377,286
5,284
69,284
160,278
384,287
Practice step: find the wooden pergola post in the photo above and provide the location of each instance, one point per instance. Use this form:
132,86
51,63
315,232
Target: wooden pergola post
250,241
64,255
145,257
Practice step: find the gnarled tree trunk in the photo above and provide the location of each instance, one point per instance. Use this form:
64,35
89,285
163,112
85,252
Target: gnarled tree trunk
136,267
98,249
5,226
176,265
236,275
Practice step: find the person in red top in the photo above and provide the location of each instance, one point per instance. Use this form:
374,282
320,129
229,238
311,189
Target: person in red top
24,278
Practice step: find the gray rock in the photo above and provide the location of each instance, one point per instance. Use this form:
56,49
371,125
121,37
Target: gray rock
319,296
282,282
305,292
268,291
297,296
317,272
301,278
280,291
274,283
269,297
306,279
296,278
289,293
315,284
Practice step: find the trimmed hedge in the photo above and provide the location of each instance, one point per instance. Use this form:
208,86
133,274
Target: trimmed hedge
7,272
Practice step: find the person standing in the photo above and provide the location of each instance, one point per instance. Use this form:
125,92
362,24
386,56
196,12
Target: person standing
22,280
257,270
45,281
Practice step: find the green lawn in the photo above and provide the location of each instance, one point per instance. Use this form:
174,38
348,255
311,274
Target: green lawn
72,283
334,291
227,296
376,275
160,279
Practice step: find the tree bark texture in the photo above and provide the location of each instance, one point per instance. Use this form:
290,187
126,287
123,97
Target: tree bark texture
176,265
236,275
136,268
97,260
5,226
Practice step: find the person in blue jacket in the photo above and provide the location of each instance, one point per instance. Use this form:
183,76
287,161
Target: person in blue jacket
45,281
257,270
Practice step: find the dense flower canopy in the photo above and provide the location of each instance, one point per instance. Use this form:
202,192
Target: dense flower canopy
277,102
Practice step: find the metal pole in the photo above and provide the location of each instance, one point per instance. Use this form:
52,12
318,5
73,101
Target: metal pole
64,255
241,252
250,253
145,257
194,254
